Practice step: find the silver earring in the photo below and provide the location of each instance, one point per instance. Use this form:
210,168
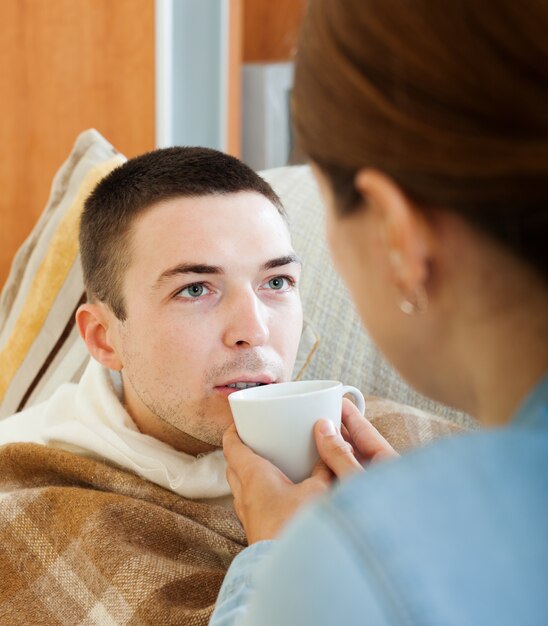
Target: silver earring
420,304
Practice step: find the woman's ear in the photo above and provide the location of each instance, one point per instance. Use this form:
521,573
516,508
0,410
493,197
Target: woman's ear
96,326
407,236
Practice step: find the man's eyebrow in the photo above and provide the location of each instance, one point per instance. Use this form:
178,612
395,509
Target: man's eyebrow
202,268
282,260
187,268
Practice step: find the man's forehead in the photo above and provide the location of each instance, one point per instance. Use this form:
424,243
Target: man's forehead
205,213
210,230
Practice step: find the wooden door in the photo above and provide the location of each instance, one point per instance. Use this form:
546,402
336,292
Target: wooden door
271,28
67,65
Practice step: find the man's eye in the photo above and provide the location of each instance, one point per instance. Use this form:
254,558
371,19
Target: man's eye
193,291
280,283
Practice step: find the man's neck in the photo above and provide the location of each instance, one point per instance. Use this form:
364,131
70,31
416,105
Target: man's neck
181,441
153,425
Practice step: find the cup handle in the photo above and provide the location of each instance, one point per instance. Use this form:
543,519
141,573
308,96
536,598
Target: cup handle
357,395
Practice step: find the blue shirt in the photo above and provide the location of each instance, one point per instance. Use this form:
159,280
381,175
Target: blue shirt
453,534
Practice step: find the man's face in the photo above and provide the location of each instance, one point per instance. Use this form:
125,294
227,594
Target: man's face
212,302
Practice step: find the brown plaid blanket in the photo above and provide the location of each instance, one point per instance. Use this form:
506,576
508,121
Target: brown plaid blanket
406,427
82,542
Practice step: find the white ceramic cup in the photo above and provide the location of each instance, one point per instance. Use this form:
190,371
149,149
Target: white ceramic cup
276,421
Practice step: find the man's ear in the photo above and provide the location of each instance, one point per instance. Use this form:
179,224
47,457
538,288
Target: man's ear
407,235
96,326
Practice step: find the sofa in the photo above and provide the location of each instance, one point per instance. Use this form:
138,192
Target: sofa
39,343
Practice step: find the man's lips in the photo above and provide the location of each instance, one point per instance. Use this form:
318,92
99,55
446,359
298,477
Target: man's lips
262,379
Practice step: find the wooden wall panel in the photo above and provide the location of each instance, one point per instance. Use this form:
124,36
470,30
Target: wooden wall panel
271,28
67,65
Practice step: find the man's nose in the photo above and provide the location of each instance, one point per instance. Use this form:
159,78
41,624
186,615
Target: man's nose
247,323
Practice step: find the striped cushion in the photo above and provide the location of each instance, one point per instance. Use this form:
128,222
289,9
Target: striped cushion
39,344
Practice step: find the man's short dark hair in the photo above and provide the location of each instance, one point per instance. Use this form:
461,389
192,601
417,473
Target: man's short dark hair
109,212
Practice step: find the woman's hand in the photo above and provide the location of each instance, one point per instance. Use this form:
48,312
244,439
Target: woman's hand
264,498
359,442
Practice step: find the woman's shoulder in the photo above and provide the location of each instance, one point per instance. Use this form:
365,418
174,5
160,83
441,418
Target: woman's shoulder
455,527
492,467
481,471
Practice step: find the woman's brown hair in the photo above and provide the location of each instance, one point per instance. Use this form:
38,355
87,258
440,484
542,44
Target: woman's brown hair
448,98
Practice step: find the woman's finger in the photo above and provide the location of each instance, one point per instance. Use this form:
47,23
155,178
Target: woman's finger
236,488
346,436
236,453
367,440
334,451
322,473
233,481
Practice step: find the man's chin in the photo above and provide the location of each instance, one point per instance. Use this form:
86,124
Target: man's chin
215,418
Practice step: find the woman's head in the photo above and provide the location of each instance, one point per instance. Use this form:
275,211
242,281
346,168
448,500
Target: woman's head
427,125
448,99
